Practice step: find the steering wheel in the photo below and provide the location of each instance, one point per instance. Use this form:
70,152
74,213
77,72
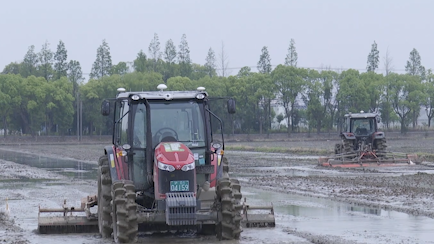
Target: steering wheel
358,130
160,133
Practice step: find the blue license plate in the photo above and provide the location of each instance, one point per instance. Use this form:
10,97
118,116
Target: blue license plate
179,185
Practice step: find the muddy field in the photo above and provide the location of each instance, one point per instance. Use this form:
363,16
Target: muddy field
312,204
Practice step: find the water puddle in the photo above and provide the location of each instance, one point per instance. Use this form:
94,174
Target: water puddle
67,167
351,222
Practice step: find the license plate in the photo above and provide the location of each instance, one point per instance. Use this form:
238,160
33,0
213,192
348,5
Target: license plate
179,185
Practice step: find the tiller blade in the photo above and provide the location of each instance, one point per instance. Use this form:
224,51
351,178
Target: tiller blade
258,216
69,223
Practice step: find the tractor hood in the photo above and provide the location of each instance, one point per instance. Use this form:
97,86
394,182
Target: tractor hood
174,154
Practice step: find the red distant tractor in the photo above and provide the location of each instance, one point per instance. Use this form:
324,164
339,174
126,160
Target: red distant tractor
362,144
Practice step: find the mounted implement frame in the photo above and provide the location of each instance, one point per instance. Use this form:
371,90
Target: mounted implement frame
368,159
252,216
69,222
265,217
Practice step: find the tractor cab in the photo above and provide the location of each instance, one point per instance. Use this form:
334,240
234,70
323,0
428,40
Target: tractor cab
363,126
360,130
144,120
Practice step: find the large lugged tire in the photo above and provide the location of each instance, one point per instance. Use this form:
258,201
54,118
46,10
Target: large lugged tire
104,198
338,148
229,219
348,146
124,212
238,207
381,147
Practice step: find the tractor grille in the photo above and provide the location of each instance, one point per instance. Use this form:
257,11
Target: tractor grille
180,208
166,177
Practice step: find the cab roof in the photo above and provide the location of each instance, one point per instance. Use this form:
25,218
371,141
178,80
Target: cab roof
361,115
164,95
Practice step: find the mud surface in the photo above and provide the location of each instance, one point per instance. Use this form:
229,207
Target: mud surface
312,204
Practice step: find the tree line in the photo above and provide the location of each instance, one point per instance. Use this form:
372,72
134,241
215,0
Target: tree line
41,93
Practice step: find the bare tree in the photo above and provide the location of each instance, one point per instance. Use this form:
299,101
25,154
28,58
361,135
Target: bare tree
154,51
210,63
223,62
387,60
386,107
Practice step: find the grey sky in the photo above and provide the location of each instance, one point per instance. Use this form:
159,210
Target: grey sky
335,33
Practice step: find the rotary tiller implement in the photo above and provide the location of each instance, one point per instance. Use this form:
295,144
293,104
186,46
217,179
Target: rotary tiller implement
69,222
86,222
368,159
258,216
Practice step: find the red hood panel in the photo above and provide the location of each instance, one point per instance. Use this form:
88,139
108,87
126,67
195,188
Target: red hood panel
174,153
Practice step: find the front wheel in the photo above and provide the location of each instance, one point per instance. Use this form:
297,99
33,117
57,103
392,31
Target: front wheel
124,215
104,198
228,225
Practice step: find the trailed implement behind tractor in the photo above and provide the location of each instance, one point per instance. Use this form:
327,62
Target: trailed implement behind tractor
363,145
164,172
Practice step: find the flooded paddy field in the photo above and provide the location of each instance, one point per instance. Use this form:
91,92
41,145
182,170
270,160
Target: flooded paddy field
312,204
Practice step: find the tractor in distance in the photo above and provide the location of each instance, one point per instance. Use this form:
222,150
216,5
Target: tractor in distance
363,144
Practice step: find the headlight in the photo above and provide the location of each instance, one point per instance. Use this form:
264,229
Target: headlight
135,97
188,167
166,167
200,96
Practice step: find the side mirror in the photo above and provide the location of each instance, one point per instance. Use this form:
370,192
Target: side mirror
216,145
231,106
105,108
378,119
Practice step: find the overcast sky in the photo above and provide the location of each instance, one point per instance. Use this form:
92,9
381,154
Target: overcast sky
335,33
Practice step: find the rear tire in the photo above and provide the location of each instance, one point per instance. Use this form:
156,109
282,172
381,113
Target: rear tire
124,212
104,198
381,147
348,148
338,148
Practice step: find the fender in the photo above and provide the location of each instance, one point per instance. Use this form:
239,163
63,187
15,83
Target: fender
118,168
379,135
216,161
348,135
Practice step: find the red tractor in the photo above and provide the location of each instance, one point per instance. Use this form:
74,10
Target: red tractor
165,171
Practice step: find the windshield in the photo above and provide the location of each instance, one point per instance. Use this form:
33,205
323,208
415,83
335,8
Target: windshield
363,126
171,121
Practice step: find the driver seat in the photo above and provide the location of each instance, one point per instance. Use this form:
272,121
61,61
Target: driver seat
168,137
362,131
